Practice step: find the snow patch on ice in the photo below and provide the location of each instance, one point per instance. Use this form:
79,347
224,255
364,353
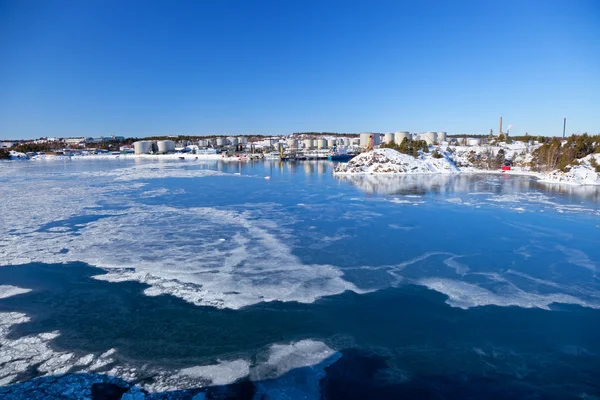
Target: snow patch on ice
465,295
9,291
222,373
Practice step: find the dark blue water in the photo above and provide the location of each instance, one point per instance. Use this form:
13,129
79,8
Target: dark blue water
304,285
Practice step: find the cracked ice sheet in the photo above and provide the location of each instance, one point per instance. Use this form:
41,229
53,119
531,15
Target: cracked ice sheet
465,295
157,170
18,355
181,252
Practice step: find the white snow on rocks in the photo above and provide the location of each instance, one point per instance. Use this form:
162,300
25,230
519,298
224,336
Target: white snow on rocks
390,161
577,175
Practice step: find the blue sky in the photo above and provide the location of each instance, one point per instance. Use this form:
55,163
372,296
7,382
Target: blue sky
137,68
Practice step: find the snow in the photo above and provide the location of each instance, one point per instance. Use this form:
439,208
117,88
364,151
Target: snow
577,175
390,161
459,159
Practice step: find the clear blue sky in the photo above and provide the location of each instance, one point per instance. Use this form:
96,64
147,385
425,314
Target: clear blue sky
136,68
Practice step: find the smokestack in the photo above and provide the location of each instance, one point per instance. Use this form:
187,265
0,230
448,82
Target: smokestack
500,130
564,126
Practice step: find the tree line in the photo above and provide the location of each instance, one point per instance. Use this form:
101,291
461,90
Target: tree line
554,155
408,146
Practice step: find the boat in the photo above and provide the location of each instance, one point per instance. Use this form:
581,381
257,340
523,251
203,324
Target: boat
274,155
340,153
340,157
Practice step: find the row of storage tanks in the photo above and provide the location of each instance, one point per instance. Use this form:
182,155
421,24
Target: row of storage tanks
224,141
398,137
321,143
159,146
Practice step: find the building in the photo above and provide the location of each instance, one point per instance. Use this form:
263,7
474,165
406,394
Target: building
7,145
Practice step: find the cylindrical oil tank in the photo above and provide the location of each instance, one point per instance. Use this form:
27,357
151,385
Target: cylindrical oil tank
344,141
355,141
474,141
331,142
430,137
369,139
321,143
292,144
232,140
165,146
400,136
388,138
309,143
142,147
242,139
441,137
202,143
221,141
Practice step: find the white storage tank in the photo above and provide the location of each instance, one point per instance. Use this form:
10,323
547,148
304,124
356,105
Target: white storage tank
292,144
400,136
202,143
142,147
232,140
355,141
221,141
331,142
321,143
430,137
165,146
388,138
369,138
242,140
441,137
309,143
474,141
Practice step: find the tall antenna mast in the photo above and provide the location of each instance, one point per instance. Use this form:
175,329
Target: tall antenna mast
564,126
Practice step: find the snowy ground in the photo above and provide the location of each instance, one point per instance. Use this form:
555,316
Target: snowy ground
459,159
389,161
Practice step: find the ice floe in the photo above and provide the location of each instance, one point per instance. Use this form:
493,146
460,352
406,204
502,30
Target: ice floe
9,291
18,355
465,295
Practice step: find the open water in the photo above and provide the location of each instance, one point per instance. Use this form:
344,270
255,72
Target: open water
197,279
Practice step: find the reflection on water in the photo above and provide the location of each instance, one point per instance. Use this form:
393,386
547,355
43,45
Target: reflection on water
466,183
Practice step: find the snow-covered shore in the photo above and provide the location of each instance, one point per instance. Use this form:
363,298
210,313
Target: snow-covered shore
386,161
389,161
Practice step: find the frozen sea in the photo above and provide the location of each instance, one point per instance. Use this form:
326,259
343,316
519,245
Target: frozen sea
138,279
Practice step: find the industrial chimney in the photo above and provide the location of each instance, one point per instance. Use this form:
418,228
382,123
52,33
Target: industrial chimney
500,130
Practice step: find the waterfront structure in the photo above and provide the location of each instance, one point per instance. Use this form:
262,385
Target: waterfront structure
400,136
165,146
142,147
429,137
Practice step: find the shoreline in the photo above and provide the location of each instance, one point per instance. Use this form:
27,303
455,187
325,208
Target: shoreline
218,157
